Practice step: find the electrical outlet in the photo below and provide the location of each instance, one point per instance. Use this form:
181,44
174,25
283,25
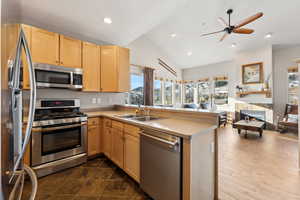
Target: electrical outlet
94,100
212,147
98,100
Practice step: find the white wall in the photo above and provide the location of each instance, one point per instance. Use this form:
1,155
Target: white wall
144,52
263,54
283,58
233,70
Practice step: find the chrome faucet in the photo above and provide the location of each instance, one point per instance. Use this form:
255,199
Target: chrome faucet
147,111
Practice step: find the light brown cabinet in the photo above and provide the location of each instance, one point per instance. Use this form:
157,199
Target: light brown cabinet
107,142
117,150
107,137
44,46
117,147
94,136
52,48
91,67
106,68
121,144
70,52
132,154
114,69
27,31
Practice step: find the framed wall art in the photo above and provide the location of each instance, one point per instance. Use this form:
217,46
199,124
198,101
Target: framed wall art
252,73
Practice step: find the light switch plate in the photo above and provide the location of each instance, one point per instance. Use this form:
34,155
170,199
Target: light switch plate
212,147
98,100
94,100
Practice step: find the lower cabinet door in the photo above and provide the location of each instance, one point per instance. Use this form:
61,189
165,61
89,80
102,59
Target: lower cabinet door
117,154
132,156
107,141
93,140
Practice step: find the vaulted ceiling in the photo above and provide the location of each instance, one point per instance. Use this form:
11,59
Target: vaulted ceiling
131,18
157,20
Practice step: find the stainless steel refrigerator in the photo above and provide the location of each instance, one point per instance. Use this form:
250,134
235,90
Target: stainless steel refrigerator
13,138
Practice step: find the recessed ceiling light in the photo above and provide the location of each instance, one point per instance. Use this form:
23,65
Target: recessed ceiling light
173,35
189,53
269,35
233,45
107,20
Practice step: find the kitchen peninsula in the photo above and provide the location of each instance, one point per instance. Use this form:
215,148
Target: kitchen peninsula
196,128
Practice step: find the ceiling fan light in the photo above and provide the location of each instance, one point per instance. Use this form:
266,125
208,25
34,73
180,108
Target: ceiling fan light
107,20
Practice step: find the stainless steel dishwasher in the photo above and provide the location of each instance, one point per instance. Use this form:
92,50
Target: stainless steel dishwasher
161,165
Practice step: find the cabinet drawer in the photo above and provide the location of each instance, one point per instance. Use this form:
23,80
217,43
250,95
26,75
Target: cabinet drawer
132,130
106,122
92,127
93,121
117,125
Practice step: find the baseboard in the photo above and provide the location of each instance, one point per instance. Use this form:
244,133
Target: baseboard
99,155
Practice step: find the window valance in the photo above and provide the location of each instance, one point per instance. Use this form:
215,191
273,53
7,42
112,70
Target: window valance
220,78
292,69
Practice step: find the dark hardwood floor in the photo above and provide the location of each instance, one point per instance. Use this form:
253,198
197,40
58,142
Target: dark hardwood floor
258,168
98,179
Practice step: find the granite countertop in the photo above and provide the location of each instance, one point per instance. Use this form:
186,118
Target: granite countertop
185,128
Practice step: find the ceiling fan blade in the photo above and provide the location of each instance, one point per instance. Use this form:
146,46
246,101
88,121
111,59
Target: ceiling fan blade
224,36
212,33
243,31
222,22
249,20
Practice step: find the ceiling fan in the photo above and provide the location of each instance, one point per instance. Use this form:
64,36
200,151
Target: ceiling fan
236,28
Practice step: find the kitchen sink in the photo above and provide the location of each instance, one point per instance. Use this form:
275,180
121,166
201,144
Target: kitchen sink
127,116
137,118
145,118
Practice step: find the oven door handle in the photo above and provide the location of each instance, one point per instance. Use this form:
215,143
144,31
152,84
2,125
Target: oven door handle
56,128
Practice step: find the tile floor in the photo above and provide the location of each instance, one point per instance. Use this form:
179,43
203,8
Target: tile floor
98,179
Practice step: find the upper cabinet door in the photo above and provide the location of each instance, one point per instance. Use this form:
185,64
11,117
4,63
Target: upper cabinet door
91,67
27,31
109,76
44,46
123,69
70,52
114,69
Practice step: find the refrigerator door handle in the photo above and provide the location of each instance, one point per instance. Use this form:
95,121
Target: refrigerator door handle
32,103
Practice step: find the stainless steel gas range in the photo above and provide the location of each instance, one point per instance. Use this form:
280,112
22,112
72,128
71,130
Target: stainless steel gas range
59,136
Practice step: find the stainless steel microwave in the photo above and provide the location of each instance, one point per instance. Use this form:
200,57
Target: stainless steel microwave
51,76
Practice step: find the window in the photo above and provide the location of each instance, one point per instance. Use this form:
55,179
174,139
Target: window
177,93
293,85
168,92
189,92
136,95
221,92
203,93
157,94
